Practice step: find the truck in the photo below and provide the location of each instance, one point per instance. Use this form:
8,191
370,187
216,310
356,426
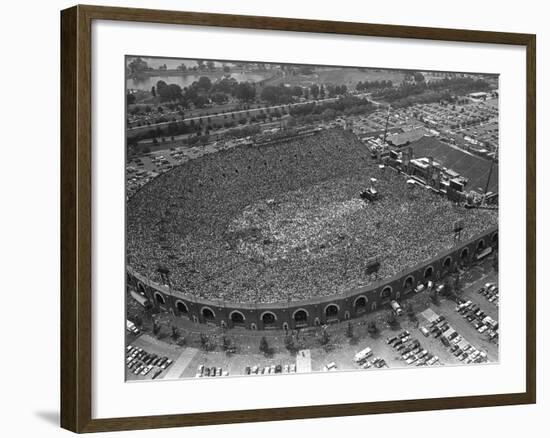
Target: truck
396,307
131,327
363,355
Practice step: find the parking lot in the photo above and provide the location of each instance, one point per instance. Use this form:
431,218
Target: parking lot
340,352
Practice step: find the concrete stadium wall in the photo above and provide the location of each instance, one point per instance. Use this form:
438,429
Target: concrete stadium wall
315,311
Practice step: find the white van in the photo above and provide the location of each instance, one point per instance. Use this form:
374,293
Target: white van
396,307
363,355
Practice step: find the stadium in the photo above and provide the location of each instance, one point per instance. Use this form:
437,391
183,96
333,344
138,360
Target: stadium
295,231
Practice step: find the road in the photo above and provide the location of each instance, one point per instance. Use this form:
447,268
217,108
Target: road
229,113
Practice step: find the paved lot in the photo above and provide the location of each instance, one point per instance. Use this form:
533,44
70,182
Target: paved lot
181,363
341,349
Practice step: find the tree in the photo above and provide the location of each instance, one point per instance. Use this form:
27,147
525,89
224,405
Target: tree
372,328
410,311
204,83
245,92
314,91
434,297
349,330
130,99
325,337
226,344
206,343
391,319
138,65
137,320
175,333
156,328
264,347
289,343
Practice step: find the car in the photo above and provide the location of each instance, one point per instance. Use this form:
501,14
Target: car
482,329
412,360
156,374
146,370
255,369
366,365
219,371
330,366
286,368
433,360
225,373
247,370
200,369
422,354
272,369
279,368
424,331
392,339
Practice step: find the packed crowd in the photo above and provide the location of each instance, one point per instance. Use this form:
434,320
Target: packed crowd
284,222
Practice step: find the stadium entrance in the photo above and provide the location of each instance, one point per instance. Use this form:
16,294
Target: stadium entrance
300,318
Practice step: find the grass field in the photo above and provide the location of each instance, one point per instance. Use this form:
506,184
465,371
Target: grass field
475,168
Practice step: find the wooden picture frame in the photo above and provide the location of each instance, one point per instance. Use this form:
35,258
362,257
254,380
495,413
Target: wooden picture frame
76,218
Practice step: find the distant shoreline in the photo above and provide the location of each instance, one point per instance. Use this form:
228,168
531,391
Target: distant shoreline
175,72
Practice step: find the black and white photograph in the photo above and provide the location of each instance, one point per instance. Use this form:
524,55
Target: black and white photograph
301,218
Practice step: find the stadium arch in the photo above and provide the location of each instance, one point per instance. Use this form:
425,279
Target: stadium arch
385,294
331,310
141,288
464,253
268,318
428,272
447,262
300,316
182,307
360,304
159,298
480,245
208,314
408,284
237,317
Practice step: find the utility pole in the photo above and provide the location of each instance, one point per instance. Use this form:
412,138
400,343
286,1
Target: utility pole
490,173
386,128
